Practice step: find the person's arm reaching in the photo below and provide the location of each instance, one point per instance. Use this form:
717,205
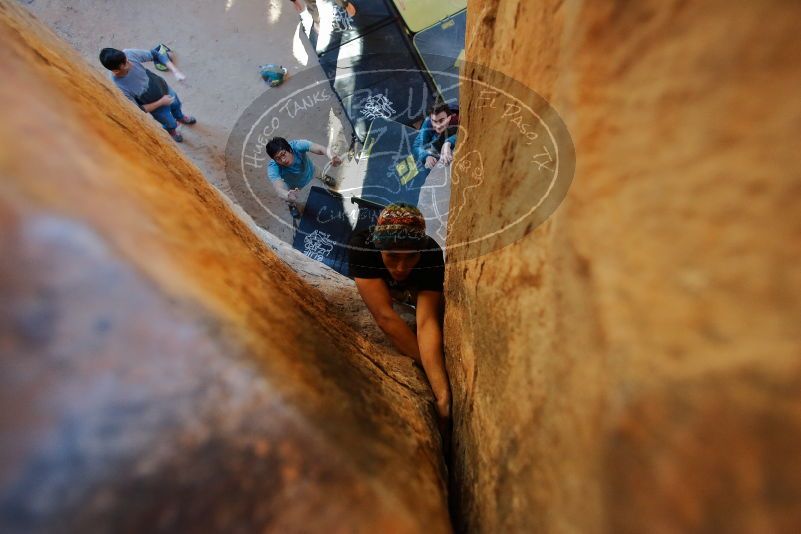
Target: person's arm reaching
446,154
274,176
421,142
426,346
325,151
429,337
138,55
375,293
282,190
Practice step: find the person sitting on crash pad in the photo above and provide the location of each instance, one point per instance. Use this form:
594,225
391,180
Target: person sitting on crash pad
396,259
436,140
292,172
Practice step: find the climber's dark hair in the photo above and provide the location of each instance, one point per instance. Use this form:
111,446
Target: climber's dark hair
111,58
276,145
438,107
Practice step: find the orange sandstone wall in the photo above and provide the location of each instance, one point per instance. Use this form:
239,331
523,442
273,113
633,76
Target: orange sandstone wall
632,365
161,370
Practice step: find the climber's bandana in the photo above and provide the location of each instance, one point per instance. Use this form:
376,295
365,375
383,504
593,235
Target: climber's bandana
399,227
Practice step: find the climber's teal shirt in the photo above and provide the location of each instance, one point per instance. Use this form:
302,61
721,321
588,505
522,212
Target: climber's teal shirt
300,173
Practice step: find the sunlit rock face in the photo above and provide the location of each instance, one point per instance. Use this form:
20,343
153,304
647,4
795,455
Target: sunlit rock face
161,369
632,365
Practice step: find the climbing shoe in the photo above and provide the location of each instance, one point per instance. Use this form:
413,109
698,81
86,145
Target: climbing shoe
330,181
187,119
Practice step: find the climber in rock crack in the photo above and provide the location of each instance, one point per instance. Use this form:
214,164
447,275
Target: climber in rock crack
396,259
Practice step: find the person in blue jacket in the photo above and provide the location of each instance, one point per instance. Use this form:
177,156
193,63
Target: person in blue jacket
436,140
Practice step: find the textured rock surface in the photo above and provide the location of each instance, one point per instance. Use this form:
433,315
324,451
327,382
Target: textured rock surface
632,365
161,370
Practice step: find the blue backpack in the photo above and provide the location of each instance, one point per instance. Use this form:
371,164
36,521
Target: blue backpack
273,74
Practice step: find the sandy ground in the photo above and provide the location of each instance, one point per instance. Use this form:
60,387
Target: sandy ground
219,45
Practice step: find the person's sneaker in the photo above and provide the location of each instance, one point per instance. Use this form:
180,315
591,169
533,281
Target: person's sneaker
187,119
330,181
176,135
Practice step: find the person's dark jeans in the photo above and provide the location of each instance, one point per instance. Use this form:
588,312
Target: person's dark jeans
169,116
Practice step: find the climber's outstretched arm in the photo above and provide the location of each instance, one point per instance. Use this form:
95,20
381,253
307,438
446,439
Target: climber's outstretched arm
326,151
429,337
375,293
